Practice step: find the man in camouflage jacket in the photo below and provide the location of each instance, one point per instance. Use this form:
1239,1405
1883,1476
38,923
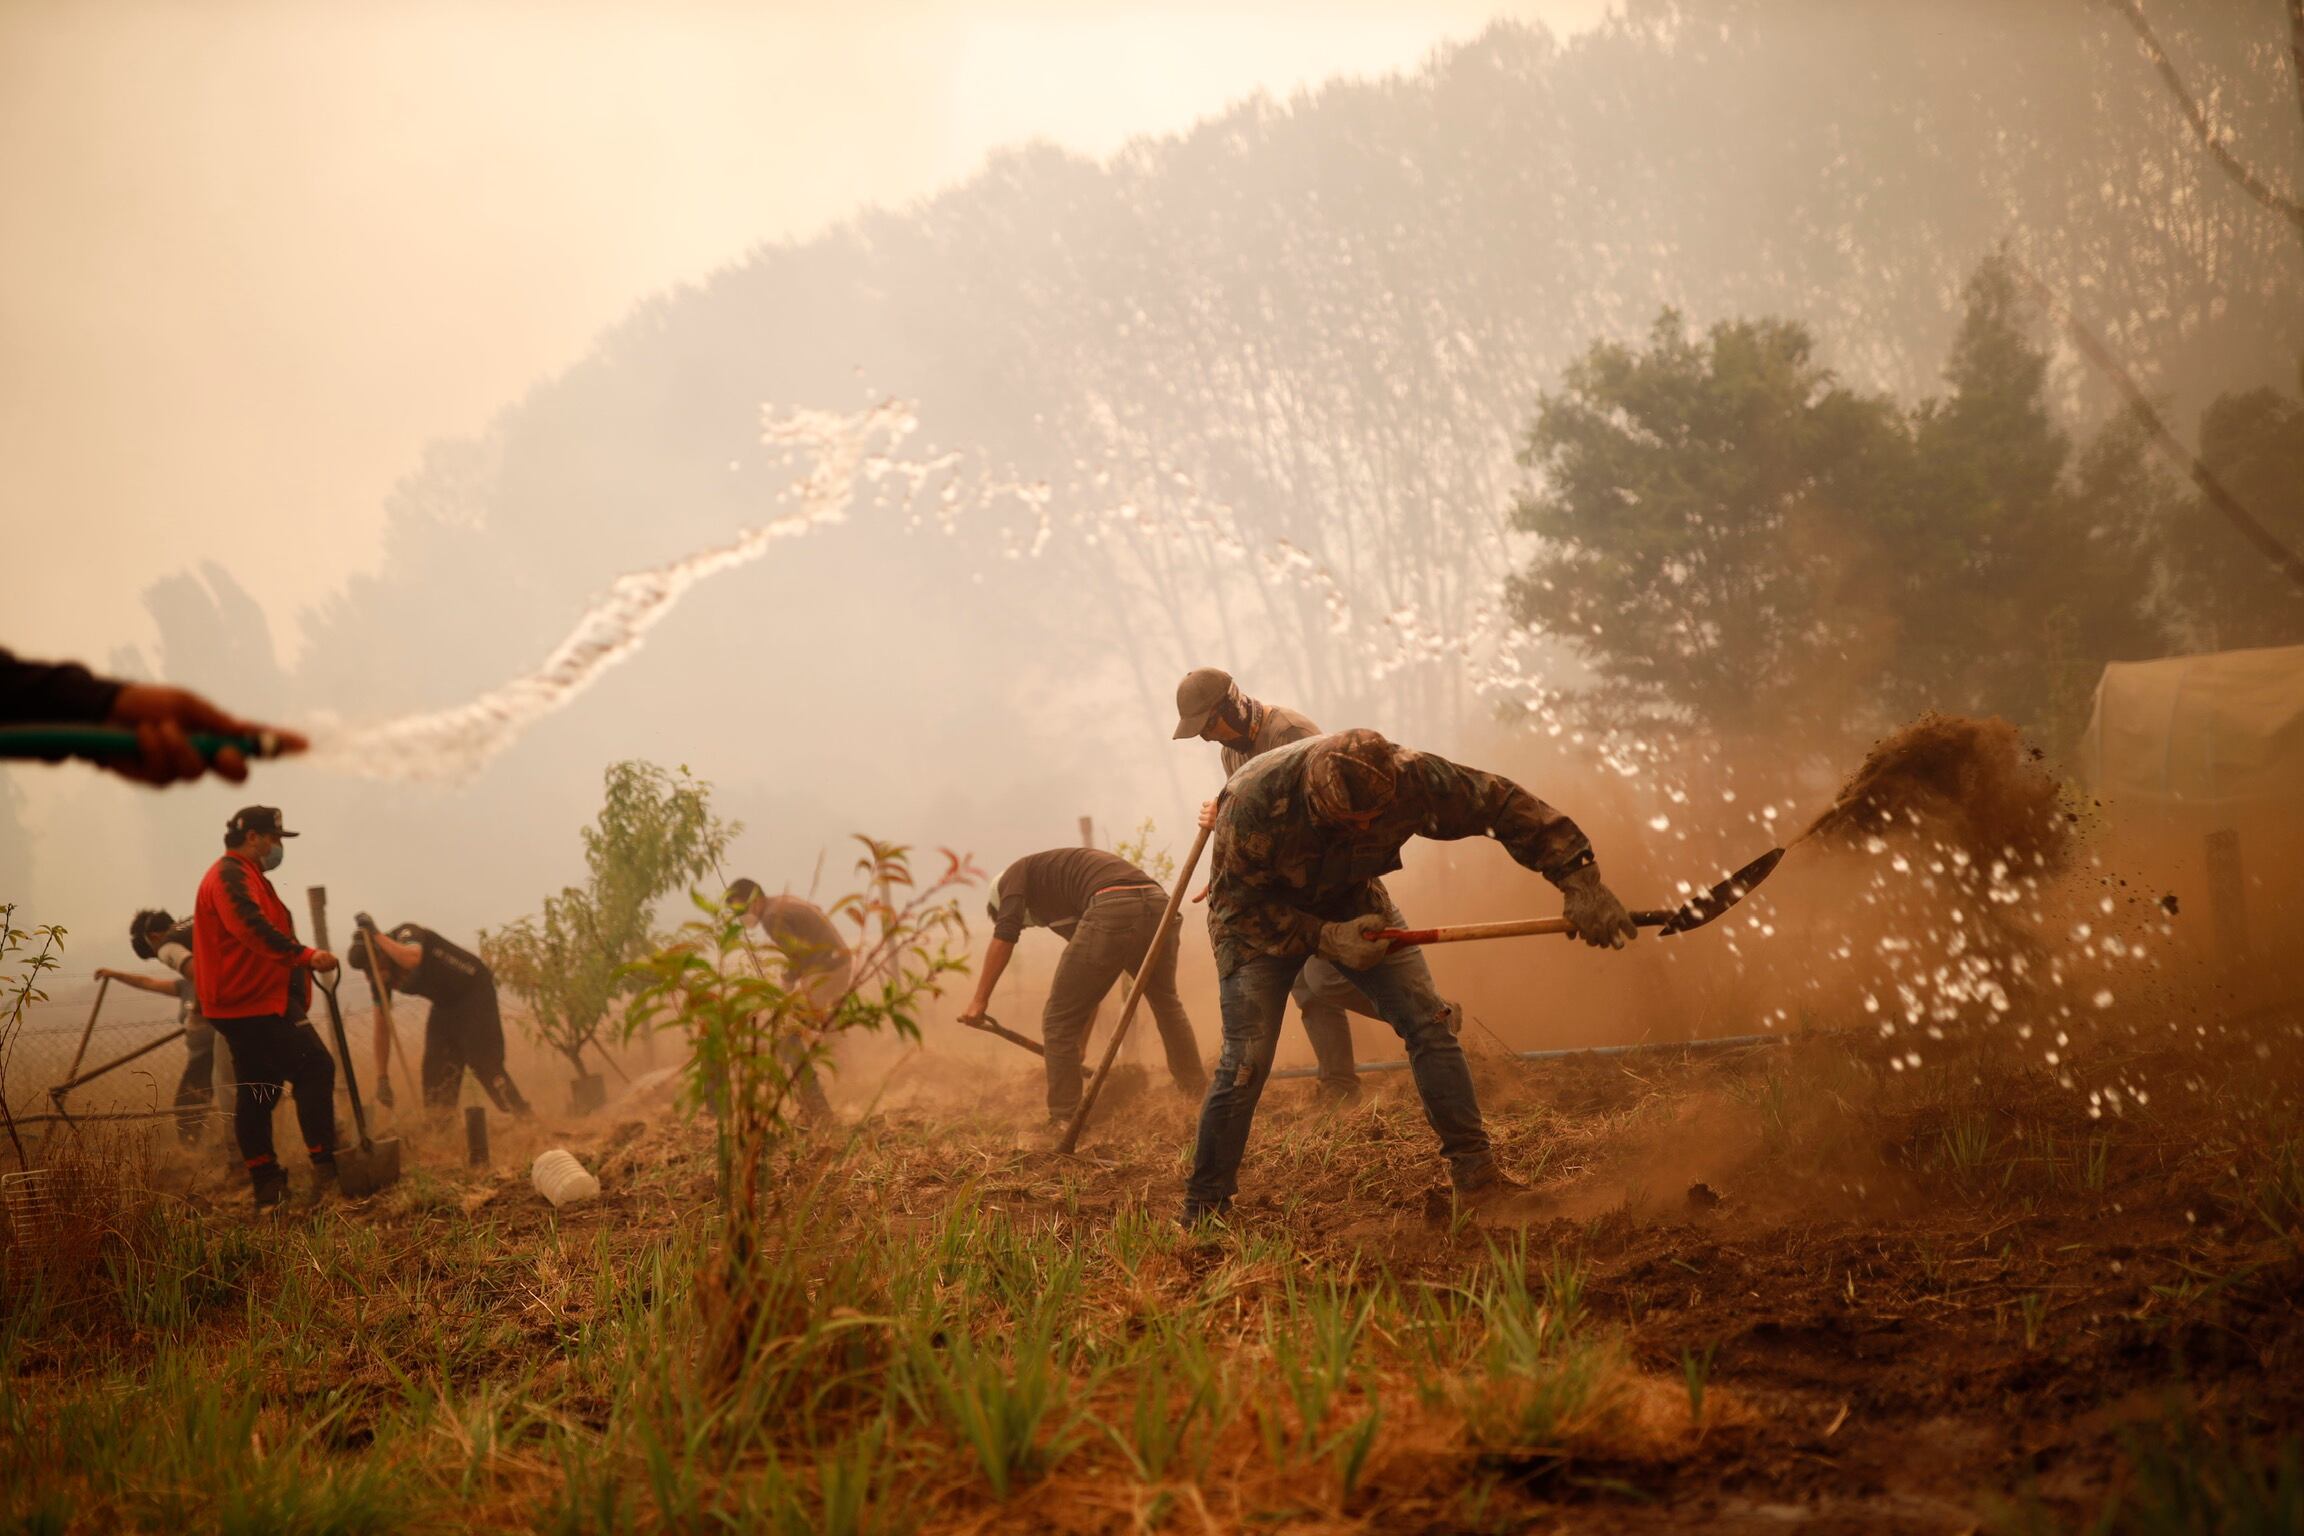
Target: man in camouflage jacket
1303,835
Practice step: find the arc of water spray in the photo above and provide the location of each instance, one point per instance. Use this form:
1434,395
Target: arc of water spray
845,453
451,745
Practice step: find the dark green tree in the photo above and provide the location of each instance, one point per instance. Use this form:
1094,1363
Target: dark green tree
1733,539
2023,567
2226,594
1703,507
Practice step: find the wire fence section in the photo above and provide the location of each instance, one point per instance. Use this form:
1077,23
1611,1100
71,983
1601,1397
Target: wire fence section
69,1036
61,1032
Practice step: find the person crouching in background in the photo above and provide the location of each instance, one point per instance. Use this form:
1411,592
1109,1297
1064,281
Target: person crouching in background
464,1028
793,942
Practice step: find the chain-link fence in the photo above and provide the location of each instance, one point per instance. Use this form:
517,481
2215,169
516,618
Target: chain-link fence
70,1035
116,1051
127,1057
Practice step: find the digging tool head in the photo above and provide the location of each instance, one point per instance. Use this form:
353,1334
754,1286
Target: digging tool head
1707,905
368,1168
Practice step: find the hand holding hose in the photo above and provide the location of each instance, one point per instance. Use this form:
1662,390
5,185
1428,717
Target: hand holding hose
164,720
1593,911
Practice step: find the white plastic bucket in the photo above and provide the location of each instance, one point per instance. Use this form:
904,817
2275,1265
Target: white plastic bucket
561,1179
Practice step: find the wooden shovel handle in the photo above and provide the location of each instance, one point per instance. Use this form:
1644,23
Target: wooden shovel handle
1518,928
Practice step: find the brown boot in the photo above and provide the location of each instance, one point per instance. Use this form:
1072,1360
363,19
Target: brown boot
1499,1198
269,1181
323,1184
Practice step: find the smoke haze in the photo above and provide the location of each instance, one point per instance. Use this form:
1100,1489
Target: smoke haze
1246,394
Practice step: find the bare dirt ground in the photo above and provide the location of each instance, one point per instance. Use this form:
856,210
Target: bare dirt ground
1841,1295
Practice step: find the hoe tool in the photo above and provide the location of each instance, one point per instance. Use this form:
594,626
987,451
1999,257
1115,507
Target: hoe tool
370,1166
1698,910
993,1026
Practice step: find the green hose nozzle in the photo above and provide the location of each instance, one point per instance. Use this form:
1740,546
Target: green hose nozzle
101,743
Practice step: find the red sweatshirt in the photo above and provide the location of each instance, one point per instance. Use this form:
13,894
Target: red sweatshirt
246,958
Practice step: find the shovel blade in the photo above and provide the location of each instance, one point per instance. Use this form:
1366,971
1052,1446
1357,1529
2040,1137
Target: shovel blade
1703,907
362,1171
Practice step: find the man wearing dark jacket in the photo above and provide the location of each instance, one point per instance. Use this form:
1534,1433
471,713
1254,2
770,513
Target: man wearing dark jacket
163,718
1106,910
254,978
1303,835
463,1029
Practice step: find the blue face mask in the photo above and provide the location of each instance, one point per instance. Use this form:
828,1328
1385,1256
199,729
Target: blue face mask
274,854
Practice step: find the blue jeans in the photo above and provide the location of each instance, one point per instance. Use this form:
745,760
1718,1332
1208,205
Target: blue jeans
1401,992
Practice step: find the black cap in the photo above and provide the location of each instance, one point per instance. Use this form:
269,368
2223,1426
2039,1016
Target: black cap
255,818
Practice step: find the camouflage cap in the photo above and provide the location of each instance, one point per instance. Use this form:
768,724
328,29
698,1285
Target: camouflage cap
1197,697
1350,775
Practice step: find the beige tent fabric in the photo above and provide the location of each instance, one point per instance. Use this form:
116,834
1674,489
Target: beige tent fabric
2202,732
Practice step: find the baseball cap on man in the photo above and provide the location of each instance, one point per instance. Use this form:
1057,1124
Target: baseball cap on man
264,819
1197,698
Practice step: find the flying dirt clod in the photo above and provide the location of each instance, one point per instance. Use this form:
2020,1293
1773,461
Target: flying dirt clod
1971,784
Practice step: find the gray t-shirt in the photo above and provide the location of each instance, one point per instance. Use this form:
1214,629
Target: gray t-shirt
1280,726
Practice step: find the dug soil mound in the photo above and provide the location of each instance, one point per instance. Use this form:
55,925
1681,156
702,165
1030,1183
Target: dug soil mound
1967,784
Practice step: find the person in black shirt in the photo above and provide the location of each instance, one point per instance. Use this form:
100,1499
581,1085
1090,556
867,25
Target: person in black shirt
464,1028
1106,911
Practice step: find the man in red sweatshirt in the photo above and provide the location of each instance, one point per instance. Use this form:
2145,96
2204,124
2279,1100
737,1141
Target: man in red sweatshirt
255,982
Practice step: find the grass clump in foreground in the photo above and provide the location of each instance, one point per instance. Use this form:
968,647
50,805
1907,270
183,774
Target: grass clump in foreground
898,1377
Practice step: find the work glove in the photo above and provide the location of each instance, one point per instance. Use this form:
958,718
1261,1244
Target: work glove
1593,911
363,920
1349,943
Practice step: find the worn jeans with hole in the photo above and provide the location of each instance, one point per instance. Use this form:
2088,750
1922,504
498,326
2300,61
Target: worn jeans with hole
1400,988
1111,939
